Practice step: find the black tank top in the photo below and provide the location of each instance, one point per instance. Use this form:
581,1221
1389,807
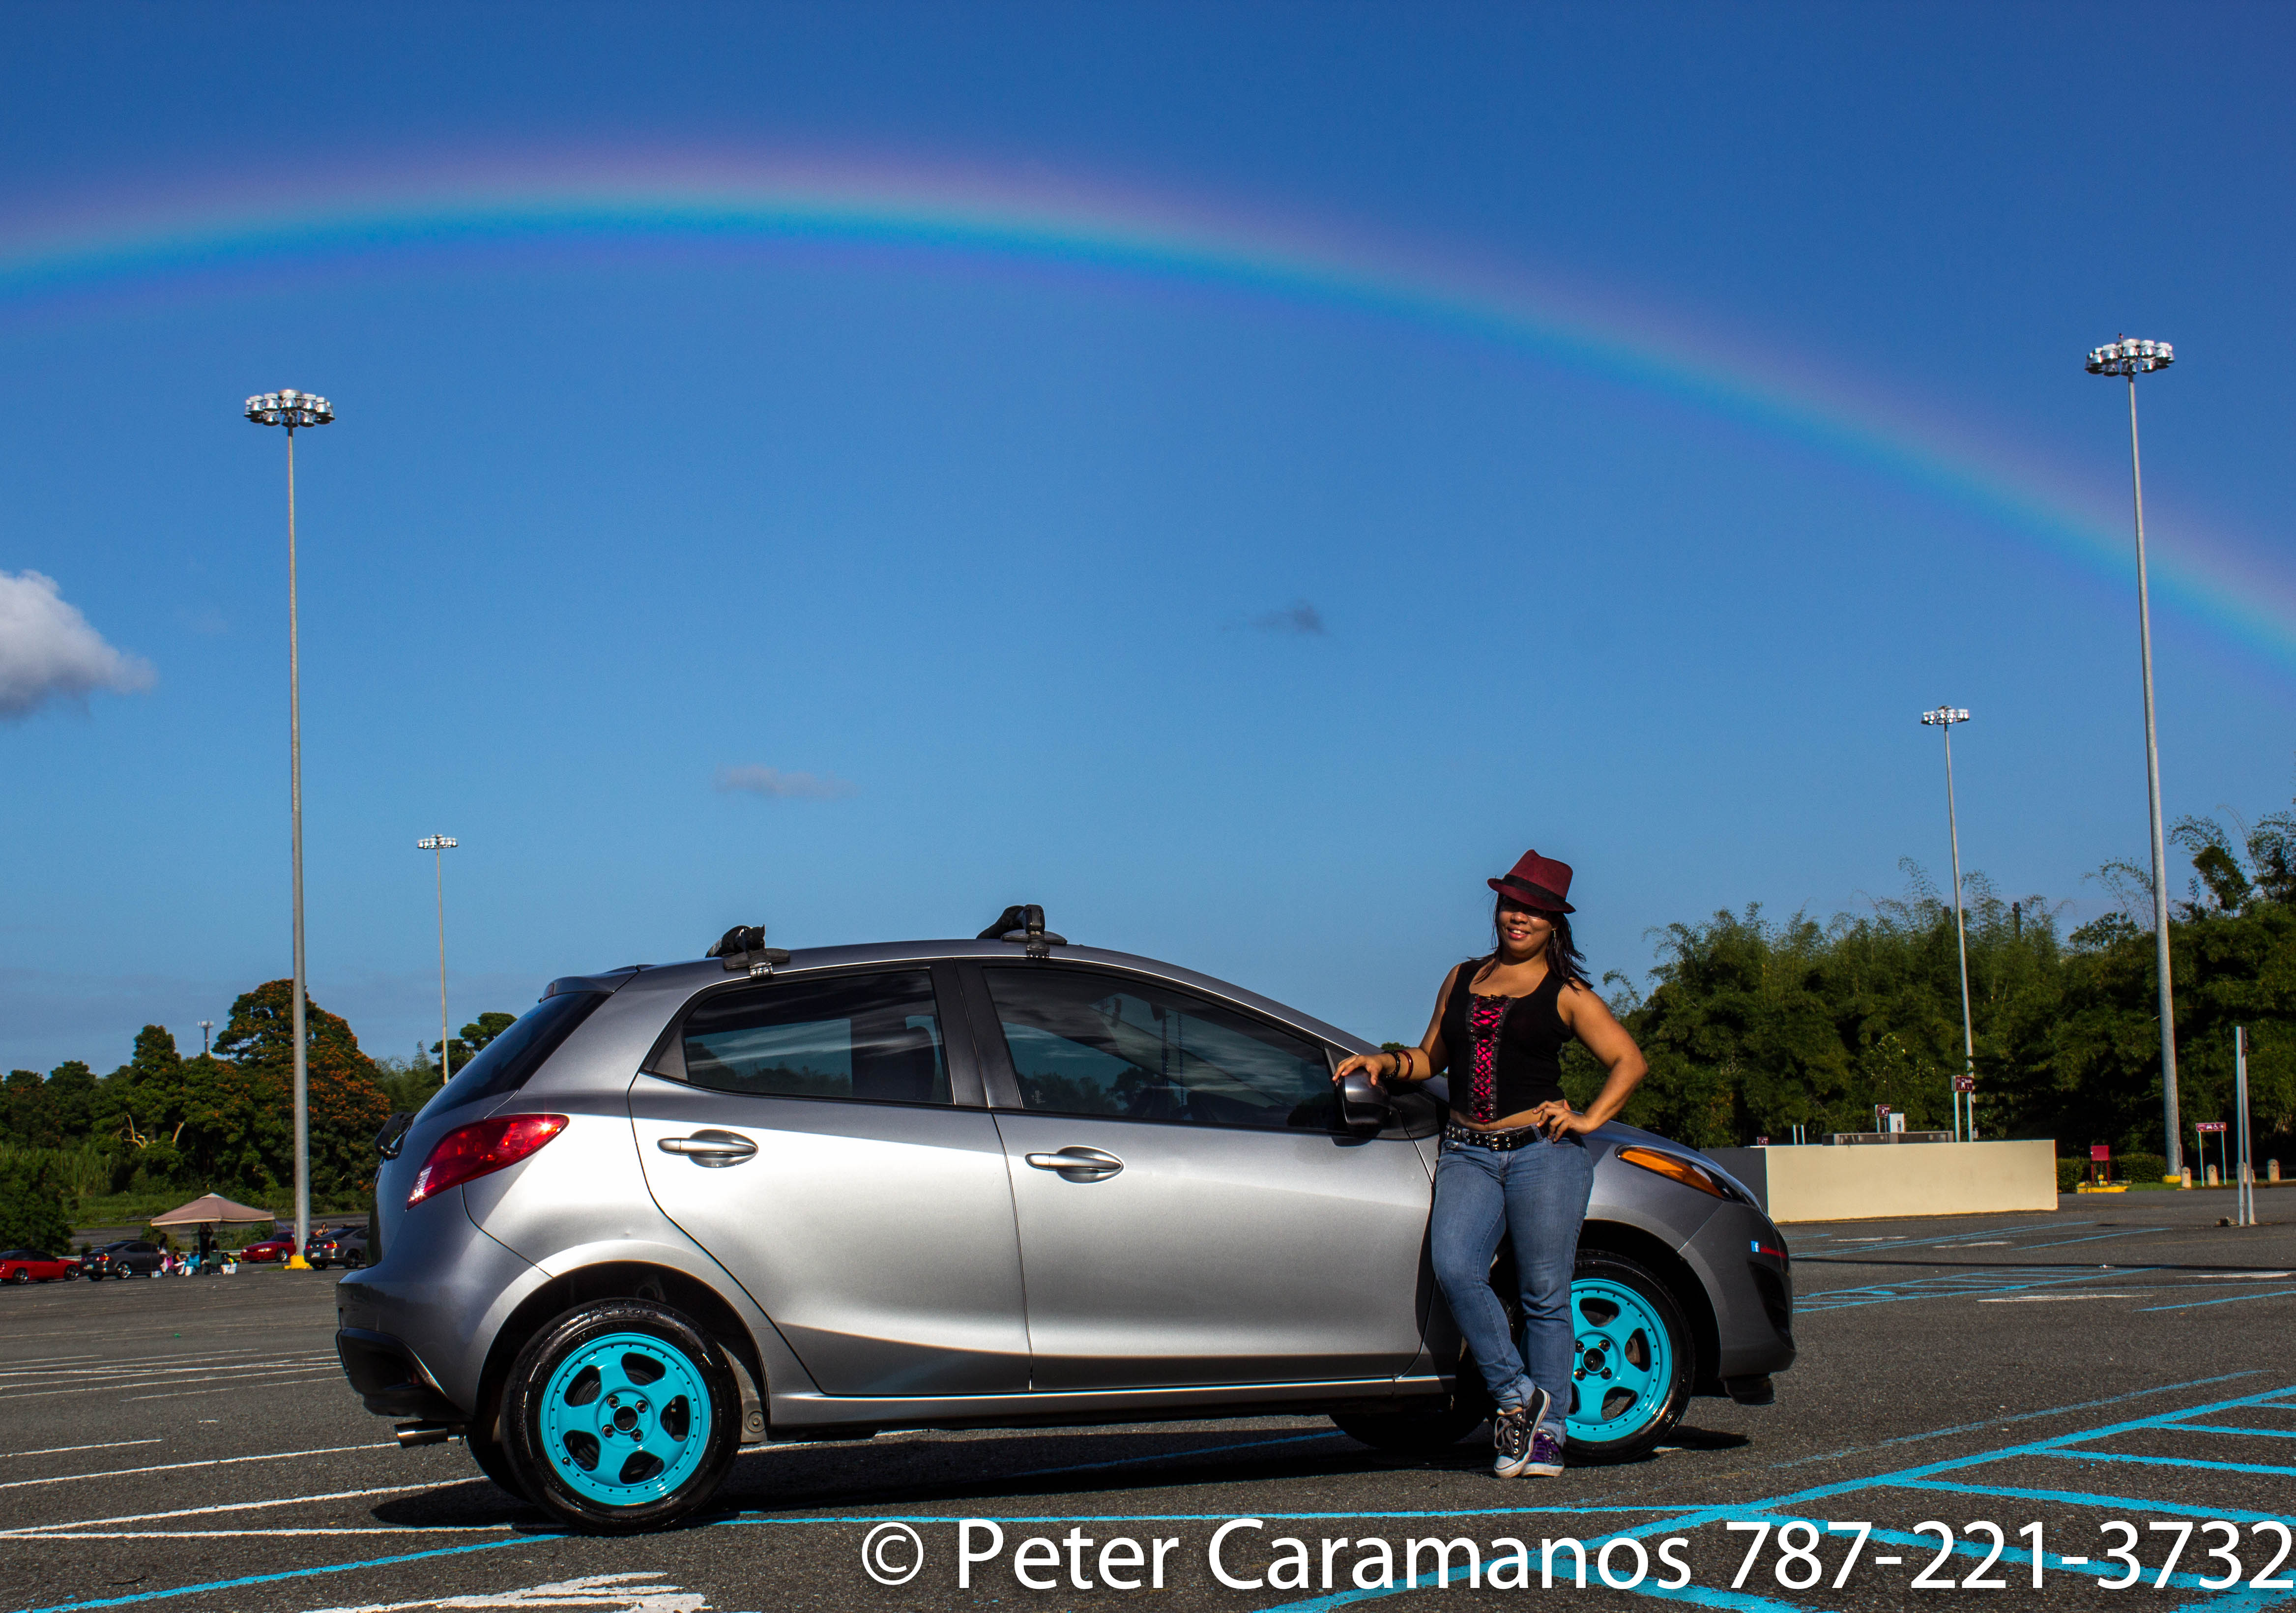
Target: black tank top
1505,1052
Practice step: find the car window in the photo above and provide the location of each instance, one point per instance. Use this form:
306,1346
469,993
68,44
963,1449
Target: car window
505,1064
872,1037
1087,1043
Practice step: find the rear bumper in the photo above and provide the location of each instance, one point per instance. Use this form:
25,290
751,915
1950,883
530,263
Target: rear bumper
390,1379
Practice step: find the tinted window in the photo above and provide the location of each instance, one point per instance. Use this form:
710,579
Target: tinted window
1094,1044
505,1064
872,1037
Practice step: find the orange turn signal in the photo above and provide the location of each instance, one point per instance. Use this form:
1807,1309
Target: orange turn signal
1674,1166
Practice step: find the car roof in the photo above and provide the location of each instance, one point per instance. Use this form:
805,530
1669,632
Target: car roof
686,978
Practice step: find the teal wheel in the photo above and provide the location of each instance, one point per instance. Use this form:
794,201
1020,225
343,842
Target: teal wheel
620,1416
1630,1360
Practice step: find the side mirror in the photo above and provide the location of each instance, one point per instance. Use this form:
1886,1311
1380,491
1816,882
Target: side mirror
1364,1106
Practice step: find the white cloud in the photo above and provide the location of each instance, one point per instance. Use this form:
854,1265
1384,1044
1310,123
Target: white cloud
48,652
774,783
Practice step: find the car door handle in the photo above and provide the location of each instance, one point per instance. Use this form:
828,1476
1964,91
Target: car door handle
1078,1164
710,1148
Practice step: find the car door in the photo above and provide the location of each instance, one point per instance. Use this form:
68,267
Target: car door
1189,1210
827,1145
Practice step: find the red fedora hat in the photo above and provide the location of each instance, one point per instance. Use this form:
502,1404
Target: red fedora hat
1537,882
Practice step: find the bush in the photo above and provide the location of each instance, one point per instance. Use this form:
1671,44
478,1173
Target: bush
2139,1167
32,1211
2072,1174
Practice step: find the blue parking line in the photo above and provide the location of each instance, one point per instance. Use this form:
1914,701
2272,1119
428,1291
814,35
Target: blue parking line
2059,1243
266,1579
2229,1299
2054,1446
2170,1461
1996,1422
1078,1518
2206,1427
2010,1280
1915,1243
2086,1498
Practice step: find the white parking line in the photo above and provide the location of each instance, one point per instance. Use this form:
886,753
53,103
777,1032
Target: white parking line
109,1444
271,1381
130,1381
69,1366
212,1462
2042,1299
207,1512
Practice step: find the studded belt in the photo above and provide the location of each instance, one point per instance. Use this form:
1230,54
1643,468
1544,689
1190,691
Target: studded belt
1513,1137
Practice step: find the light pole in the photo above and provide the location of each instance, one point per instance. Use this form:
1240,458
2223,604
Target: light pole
438,846
2130,358
1944,718
291,408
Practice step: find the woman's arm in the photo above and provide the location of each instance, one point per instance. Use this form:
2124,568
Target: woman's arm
1411,1063
1590,1019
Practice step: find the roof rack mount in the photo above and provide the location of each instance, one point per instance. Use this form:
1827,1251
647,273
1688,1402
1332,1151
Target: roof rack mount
1025,924
744,951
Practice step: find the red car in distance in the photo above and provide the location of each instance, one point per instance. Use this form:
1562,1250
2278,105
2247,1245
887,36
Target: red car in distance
30,1265
270,1248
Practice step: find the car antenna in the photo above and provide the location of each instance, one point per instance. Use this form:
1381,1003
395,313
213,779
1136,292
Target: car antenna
744,950
1025,924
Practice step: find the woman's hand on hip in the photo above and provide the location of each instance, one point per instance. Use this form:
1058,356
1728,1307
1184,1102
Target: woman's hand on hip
1560,1120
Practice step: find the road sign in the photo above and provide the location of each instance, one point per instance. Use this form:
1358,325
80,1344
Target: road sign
2208,1126
2098,1150
1965,1083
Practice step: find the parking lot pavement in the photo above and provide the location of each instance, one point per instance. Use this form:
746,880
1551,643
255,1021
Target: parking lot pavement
189,1446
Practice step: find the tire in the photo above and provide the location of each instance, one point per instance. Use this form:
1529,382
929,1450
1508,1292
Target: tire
1630,1362
318,1265
1410,1433
662,1450
353,1263
71,1274
21,1276
494,1461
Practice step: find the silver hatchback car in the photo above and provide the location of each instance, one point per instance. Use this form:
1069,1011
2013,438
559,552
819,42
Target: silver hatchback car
997,1184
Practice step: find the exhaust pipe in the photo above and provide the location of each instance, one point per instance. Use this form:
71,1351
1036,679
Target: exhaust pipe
412,1434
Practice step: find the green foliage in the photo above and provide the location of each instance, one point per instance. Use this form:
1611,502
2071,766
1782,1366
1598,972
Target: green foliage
32,1214
408,1083
27,1113
1753,1026
345,1098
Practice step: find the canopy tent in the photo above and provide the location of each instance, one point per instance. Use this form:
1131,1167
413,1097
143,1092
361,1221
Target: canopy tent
211,1210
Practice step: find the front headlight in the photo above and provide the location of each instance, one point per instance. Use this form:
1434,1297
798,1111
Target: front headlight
1674,1167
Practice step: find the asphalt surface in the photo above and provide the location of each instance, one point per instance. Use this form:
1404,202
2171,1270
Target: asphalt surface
188,1446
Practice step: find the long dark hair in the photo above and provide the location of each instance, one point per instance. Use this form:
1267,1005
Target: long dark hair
1562,955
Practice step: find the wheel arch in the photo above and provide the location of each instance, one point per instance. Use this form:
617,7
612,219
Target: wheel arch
627,1280
1651,1253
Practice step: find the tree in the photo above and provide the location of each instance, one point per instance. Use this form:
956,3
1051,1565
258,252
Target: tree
30,1115
345,1099
32,1209
142,1099
72,1087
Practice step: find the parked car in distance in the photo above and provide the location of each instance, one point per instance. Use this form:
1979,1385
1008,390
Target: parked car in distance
270,1248
31,1265
677,1210
128,1257
343,1247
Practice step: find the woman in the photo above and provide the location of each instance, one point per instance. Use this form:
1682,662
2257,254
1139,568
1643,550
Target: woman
1515,1160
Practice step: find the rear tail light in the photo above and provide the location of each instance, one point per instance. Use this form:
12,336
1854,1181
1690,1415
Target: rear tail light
1677,1168
468,1152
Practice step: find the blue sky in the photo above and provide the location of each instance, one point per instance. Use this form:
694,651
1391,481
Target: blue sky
1006,560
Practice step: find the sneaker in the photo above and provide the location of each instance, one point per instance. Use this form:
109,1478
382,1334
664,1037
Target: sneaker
1544,1460
1511,1432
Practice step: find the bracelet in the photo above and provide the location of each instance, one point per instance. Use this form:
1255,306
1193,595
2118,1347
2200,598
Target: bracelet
1403,1064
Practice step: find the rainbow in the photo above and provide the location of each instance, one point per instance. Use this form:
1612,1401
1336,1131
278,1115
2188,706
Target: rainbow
231,238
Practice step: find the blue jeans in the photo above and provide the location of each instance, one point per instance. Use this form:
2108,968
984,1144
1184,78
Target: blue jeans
1538,1195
